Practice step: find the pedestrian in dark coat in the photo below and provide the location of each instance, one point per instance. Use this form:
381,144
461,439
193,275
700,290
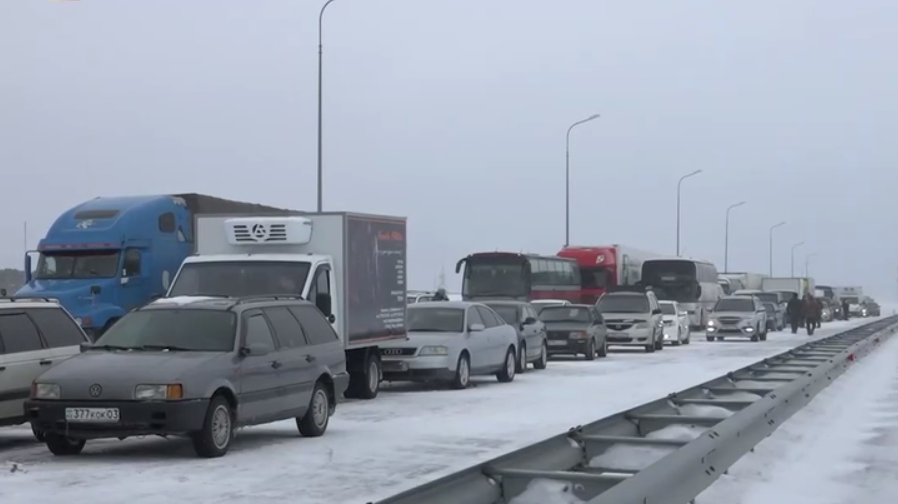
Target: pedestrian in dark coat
810,310
793,312
819,312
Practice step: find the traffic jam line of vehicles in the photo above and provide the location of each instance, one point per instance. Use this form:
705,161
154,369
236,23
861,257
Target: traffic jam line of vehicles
274,314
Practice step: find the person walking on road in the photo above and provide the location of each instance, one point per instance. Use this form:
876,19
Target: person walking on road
793,312
819,312
441,295
845,314
810,310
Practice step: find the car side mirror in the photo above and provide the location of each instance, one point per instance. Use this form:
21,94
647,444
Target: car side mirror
529,321
476,328
656,311
95,289
323,302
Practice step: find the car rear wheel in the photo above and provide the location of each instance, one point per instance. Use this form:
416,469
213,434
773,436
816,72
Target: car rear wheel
314,422
603,349
214,440
507,373
63,445
543,360
462,372
522,358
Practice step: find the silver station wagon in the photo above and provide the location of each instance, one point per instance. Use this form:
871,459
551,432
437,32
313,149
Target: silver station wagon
198,367
449,341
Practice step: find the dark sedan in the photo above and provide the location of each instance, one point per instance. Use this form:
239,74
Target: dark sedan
575,329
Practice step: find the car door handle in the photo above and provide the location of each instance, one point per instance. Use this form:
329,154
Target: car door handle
310,358
45,362
276,364
2,368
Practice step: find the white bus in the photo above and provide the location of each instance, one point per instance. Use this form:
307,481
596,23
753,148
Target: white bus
691,283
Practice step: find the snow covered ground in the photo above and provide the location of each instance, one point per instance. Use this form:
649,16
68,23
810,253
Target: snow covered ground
840,449
374,449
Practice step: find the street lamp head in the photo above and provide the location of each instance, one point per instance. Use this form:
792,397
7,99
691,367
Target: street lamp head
594,116
696,172
778,225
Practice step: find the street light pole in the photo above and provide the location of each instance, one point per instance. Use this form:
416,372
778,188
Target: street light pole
320,104
771,243
679,184
792,268
567,177
807,263
726,238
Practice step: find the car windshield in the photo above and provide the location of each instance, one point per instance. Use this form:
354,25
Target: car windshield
623,303
509,313
199,330
241,278
80,264
668,309
768,297
435,319
770,307
740,304
565,314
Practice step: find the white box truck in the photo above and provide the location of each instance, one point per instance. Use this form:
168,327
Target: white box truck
352,266
798,285
746,280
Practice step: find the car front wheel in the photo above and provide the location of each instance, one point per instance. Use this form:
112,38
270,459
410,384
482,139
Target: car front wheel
214,440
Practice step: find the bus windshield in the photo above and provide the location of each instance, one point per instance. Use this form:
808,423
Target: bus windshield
672,280
494,277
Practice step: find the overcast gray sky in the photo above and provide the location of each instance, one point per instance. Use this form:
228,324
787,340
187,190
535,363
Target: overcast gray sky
453,113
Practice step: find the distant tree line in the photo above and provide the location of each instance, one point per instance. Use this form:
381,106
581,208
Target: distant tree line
11,279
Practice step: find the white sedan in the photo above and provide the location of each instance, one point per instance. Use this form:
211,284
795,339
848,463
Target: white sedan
676,323
450,341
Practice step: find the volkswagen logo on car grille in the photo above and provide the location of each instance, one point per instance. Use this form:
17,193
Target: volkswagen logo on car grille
392,351
95,390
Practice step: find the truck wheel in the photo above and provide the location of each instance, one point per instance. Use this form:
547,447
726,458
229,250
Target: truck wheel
506,374
314,422
62,445
214,439
365,385
543,360
462,372
40,436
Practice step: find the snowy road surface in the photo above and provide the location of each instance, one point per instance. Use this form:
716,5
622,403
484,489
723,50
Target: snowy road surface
373,449
842,448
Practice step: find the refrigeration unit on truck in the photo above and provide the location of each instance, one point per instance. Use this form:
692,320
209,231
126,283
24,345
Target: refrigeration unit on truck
749,281
796,285
352,266
107,256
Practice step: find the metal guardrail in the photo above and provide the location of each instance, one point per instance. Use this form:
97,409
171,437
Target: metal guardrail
664,452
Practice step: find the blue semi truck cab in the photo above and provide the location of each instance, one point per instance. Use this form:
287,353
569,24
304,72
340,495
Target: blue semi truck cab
107,256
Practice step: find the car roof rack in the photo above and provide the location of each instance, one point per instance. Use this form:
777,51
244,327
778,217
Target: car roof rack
26,299
638,289
267,297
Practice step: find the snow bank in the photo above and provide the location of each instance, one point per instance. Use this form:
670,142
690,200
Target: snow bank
704,410
680,432
738,396
546,491
631,457
756,384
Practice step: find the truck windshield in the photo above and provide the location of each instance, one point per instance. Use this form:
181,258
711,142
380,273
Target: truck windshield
199,330
850,300
77,264
596,277
241,278
494,278
768,297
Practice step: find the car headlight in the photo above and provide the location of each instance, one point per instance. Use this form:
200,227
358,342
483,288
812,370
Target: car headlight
749,329
434,350
158,392
711,323
45,391
577,335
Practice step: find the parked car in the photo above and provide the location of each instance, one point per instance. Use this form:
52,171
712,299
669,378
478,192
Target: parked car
774,317
198,367
873,308
450,341
633,318
826,312
532,343
418,296
740,316
575,329
35,335
779,299
676,323
539,304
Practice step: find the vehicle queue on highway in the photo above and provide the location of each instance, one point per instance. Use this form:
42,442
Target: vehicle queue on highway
276,317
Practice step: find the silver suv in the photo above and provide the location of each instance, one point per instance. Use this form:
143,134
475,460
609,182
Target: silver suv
740,316
35,335
633,318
